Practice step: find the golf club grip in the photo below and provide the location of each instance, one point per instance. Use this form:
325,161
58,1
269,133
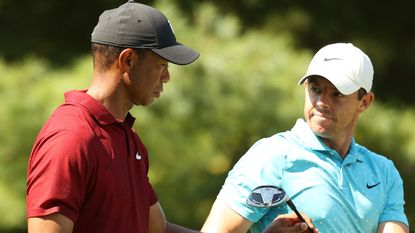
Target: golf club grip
292,206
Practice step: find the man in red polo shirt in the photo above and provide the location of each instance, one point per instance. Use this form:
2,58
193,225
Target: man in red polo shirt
88,168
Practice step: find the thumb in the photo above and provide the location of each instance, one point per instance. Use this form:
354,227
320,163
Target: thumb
300,227
303,226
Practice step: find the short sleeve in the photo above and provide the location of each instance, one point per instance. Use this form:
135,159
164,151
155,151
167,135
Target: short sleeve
54,181
260,165
394,206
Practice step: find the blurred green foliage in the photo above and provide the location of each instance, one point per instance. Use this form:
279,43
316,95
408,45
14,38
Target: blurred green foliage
243,88
383,29
29,91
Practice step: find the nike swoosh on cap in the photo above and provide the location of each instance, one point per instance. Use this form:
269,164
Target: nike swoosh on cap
332,59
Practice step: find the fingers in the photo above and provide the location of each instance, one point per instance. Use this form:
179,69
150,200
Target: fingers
308,220
291,223
299,227
277,227
309,223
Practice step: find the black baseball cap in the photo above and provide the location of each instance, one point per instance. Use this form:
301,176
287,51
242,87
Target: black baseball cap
135,25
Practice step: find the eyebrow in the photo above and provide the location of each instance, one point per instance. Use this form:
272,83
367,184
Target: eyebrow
312,80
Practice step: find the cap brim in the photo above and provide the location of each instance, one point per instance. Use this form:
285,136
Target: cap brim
303,79
178,54
344,85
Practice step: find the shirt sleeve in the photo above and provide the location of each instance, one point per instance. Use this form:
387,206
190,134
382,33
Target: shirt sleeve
54,181
261,165
394,206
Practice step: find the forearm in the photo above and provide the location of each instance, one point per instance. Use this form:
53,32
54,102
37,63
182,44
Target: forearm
173,228
392,226
53,223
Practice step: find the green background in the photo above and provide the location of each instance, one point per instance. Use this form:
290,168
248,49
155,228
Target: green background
243,87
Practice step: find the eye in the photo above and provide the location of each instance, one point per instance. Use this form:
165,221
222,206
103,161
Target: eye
338,94
164,66
315,89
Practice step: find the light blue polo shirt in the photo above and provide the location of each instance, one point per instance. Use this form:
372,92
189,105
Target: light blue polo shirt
352,195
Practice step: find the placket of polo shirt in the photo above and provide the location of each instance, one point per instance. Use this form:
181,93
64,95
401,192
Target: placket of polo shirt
346,163
339,163
128,140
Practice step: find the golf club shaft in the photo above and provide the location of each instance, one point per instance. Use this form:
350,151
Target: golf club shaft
292,206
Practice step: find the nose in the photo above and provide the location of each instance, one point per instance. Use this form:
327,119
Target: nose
322,100
165,76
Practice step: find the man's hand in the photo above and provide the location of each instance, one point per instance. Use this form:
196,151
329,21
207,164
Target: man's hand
289,223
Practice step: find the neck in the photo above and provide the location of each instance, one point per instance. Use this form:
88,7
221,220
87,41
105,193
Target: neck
341,145
106,89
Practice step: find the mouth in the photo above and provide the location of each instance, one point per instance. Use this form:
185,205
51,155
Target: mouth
158,93
320,115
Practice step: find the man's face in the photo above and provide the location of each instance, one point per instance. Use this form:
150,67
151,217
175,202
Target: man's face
329,113
147,77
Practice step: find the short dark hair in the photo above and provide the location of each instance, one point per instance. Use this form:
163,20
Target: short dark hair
360,93
103,56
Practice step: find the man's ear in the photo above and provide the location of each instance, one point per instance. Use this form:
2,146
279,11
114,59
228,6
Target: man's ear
366,101
125,60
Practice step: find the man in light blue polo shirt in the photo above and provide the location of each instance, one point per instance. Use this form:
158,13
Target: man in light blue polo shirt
339,184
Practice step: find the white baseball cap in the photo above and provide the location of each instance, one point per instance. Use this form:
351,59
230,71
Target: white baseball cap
344,65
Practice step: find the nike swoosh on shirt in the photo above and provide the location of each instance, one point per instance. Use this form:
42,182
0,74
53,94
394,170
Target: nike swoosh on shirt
372,186
137,156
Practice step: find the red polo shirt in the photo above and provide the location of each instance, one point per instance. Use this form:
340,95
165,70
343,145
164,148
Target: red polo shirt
91,168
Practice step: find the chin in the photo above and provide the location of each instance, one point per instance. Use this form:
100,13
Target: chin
147,103
150,100
323,134
319,130
144,103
